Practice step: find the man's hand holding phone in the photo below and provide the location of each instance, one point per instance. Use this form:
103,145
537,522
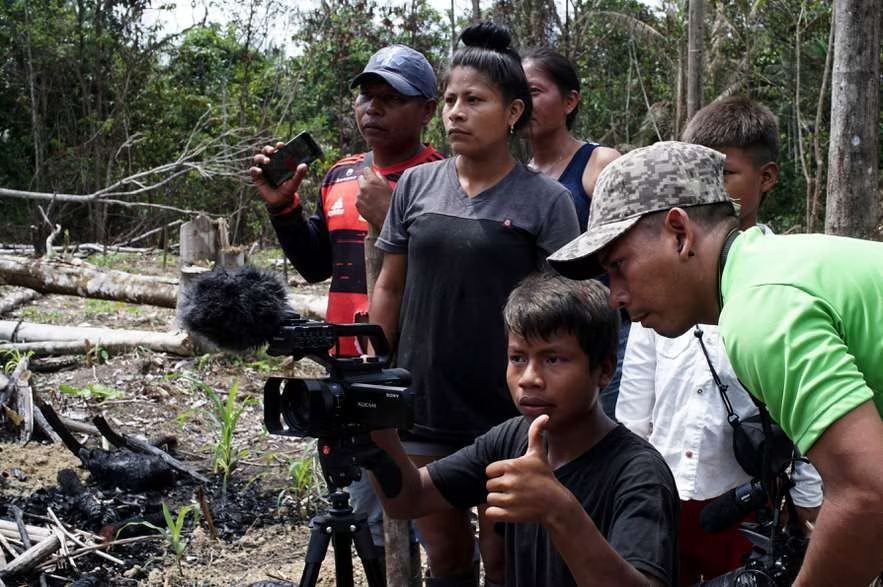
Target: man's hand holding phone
278,170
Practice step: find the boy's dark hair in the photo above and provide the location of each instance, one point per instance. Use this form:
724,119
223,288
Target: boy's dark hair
736,121
546,303
487,47
560,70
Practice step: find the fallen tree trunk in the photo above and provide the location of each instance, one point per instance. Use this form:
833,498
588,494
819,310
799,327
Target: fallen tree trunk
44,338
15,297
62,277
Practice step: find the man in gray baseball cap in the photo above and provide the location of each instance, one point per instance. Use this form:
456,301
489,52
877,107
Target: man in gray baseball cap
403,68
801,317
650,179
394,103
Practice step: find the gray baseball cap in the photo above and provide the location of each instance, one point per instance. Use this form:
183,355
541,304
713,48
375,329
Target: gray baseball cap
664,175
405,69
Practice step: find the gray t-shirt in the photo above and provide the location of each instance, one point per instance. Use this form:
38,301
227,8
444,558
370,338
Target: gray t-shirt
464,257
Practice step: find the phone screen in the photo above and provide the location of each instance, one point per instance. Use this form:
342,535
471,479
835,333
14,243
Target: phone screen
283,163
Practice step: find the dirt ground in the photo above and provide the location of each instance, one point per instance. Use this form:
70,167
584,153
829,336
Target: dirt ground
261,524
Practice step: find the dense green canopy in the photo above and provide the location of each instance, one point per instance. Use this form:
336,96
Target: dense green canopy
91,95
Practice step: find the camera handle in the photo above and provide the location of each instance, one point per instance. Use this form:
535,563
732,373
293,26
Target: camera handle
342,528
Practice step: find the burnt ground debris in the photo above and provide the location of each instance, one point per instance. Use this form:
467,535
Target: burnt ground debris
261,520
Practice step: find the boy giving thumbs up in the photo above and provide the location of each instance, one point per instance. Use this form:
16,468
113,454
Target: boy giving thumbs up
578,498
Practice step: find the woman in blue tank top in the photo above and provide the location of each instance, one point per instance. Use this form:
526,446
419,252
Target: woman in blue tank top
554,88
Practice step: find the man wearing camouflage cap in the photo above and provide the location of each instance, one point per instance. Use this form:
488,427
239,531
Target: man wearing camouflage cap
801,318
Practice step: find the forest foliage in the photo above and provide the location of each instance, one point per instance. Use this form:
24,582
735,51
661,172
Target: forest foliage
91,94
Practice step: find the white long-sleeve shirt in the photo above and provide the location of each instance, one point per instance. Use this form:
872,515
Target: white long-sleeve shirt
667,395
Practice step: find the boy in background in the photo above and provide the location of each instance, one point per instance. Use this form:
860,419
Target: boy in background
581,499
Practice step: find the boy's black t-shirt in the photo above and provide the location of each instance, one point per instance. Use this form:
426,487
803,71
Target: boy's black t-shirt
622,482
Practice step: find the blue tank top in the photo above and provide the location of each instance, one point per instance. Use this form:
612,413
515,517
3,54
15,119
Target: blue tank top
572,179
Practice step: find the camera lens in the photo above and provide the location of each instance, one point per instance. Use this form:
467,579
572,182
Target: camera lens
295,404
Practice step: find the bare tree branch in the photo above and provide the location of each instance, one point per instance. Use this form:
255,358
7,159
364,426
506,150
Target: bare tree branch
227,154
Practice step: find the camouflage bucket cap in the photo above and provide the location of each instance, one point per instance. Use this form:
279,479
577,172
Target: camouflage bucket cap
664,175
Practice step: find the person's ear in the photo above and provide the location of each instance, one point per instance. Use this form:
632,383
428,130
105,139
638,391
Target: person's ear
571,101
769,175
516,109
608,368
429,108
681,230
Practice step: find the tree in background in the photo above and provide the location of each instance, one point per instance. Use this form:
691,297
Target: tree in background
853,202
94,102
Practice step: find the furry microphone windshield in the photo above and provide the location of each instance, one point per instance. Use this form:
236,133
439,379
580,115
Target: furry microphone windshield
236,310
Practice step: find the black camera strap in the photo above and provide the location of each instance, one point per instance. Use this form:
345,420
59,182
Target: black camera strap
775,482
776,443
728,242
732,416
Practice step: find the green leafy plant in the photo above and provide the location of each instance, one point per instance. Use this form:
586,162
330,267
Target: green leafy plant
101,306
224,413
174,530
300,471
203,361
96,355
14,358
112,261
91,391
306,485
35,314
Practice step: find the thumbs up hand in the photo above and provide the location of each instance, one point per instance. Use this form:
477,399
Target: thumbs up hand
373,198
524,489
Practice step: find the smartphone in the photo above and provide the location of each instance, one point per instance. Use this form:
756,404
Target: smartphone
283,163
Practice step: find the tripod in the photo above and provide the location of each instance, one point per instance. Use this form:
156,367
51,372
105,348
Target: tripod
343,528
341,458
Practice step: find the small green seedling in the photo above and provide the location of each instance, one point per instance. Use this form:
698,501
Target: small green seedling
173,532
224,413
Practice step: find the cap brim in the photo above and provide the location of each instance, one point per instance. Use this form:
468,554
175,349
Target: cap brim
578,259
398,83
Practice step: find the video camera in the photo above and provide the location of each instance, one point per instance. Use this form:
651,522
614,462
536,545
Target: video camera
778,546
247,308
358,395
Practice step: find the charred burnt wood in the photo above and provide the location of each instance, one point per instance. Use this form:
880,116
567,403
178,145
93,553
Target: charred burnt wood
118,468
145,448
56,423
54,364
206,512
20,522
85,501
126,469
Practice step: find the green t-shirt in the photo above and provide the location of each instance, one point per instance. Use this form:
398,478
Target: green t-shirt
802,323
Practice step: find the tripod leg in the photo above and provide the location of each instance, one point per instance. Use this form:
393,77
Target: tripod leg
370,557
316,550
343,559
